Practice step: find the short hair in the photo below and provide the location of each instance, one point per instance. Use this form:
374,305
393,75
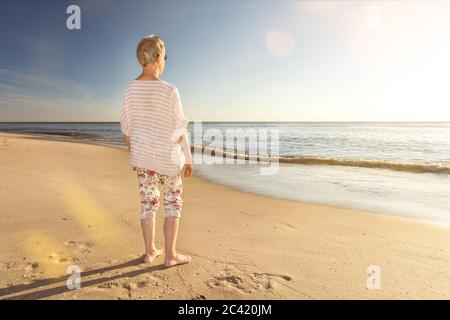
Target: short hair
149,49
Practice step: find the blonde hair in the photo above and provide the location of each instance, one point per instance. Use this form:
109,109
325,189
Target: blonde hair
149,49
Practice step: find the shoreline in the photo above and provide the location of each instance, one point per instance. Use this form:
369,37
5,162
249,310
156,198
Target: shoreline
385,213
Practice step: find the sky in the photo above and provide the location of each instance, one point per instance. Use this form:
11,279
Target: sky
231,60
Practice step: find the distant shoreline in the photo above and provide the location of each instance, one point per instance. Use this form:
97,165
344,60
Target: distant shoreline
305,160
63,138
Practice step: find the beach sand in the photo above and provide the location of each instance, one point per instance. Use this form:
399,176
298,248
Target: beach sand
69,203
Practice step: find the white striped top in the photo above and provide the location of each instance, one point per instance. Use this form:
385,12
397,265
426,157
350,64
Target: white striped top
152,116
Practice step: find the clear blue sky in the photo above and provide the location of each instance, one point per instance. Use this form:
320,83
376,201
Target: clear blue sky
231,60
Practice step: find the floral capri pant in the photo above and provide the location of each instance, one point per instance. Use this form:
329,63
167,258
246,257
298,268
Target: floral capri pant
149,192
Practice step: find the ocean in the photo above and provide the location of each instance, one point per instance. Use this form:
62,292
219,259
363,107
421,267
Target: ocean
400,169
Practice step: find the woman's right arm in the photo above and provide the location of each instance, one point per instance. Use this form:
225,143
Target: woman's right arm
181,123
185,146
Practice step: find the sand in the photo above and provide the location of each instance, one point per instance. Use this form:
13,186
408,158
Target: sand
68,204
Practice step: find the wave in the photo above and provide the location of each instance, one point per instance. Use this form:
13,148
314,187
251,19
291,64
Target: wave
303,160
376,164
311,160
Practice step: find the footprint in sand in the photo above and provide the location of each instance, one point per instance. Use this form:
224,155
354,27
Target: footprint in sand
129,286
126,285
158,276
31,270
266,280
133,289
108,285
79,244
277,275
122,290
142,284
257,281
58,258
8,265
82,246
228,281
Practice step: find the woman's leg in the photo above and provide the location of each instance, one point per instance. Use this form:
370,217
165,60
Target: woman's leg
170,234
148,229
173,188
149,193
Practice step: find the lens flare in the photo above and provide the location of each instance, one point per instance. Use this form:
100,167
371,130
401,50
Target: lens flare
280,44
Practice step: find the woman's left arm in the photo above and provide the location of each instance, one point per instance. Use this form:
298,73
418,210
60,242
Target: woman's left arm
125,123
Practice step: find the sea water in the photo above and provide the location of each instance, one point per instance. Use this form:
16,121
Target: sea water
391,168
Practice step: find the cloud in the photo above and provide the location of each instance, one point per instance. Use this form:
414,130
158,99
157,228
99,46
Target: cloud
20,80
36,96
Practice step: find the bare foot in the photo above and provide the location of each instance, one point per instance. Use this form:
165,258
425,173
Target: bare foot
148,258
177,260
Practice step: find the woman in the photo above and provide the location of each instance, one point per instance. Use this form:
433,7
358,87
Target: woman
154,125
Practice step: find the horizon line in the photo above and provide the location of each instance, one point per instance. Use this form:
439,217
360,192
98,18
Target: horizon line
244,121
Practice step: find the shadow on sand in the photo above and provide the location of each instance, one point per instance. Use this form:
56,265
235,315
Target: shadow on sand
45,293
